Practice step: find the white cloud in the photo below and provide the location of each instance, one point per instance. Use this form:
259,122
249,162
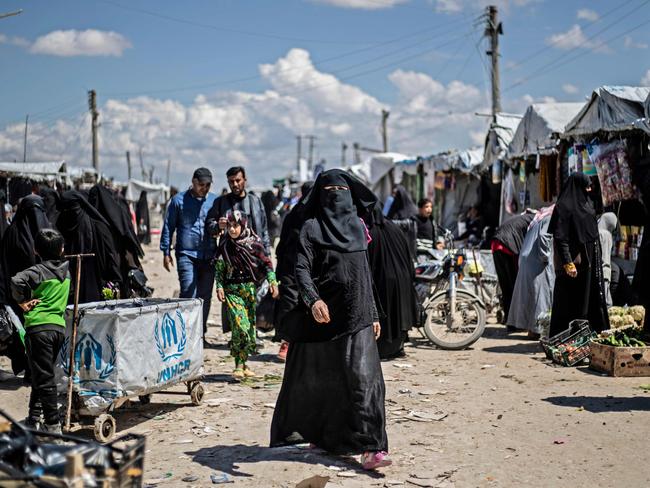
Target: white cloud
456,6
587,14
363,4
645,81
89,42
630,43
575,38
14,40
570,89
258,129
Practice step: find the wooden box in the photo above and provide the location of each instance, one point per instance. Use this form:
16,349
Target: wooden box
620,361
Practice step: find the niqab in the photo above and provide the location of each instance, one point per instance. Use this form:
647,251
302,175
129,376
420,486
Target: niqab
51,201
574,217
403,206
339,213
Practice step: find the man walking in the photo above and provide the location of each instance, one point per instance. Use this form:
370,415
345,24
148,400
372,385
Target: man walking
242,200
195,247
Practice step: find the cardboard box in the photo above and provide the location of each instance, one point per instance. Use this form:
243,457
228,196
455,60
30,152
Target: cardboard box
620,361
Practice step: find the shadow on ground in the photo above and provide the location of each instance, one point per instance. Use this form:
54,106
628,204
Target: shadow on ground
602,404
228,459
523,348
9,382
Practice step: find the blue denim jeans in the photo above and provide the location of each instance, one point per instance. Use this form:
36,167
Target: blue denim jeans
196,277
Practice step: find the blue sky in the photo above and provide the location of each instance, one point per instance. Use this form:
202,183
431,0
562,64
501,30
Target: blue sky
233,81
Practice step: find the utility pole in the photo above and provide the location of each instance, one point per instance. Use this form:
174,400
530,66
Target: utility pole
299,155
310,159
92,106
144,171
128,163
493,29
344,148
25,141
384,129
357,153
169,168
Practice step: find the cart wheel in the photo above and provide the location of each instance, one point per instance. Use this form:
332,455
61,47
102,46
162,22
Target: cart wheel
145,399
196,393
190,385
105,427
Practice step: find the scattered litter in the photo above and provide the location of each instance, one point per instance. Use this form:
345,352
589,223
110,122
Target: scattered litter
559,441
346,474
215,402
190,479
404,390
335,468
220,478
402,365
269,405
314,482
183,441
425,417
154,481
488,366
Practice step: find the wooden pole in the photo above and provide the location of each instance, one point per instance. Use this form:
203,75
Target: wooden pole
73,335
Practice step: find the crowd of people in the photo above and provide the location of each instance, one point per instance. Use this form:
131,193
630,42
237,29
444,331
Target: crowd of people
343,284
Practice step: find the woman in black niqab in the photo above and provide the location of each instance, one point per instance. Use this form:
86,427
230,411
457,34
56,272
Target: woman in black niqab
333,390
402,207
393,272
579,291
51,199
142,219
86,231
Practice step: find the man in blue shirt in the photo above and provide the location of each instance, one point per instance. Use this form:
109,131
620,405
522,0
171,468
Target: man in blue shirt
195,247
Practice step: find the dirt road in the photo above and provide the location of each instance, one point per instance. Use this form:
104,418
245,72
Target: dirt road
498,415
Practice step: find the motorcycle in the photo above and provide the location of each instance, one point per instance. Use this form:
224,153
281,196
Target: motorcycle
452,317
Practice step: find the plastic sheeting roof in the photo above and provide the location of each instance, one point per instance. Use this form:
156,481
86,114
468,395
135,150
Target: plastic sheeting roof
611,108
540,122
644,123
499,137
465,161
38,170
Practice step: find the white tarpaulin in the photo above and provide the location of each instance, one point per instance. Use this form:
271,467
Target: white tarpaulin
375,172
47,171
499,137
463,161
610,109
541,122
157,194
132,347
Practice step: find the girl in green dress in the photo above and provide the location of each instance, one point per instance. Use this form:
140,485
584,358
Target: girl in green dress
241,265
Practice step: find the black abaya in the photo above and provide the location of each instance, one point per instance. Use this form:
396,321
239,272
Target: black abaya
393,274
333,391
142,219
86,231
402,207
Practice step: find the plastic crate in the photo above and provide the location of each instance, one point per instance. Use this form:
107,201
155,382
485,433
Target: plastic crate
571,346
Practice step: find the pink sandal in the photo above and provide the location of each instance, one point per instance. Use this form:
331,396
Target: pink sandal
374,460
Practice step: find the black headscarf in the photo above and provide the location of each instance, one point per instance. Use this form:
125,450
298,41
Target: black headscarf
285,252
142,218
339,212
402,206
18,242
51,200
574,217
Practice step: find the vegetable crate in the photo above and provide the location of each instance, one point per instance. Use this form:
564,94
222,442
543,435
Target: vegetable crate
571,346
620,361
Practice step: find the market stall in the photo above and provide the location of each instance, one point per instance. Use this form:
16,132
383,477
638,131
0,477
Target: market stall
16,179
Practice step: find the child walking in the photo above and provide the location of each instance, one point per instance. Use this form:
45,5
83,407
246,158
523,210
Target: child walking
42,292
241,265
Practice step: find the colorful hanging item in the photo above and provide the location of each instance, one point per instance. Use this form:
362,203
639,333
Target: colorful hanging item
613,172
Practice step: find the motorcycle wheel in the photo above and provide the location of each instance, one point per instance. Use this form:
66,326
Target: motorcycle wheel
464,329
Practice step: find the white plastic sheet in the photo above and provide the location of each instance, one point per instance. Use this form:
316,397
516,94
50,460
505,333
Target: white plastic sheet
132,347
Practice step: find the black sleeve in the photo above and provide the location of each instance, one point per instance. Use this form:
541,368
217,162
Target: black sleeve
562,247
304,264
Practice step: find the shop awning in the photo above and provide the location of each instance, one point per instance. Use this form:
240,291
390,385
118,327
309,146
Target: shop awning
536,130
610,109
37,171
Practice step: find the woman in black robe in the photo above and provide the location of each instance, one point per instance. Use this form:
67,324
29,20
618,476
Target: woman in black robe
142,219
333,390
392,269
579,291
86,231
402,207
128,250
16,255
51,200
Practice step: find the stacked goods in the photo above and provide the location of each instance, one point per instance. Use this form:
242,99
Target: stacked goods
629,337
626,316
621,352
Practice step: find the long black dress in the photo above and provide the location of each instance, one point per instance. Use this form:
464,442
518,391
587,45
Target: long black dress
333,390
576,240
142,219
392,269
86,231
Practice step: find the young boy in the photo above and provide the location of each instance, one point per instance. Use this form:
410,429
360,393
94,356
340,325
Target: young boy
42,292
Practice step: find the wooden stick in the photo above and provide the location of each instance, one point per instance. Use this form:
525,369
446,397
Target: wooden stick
73,336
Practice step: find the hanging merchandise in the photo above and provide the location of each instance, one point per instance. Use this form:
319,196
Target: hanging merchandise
522,172
613,172
588,166
496,172
573,161
509,198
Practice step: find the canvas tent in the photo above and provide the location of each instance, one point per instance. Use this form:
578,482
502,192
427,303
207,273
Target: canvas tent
542,122
610,109
157,194
378,172
42,172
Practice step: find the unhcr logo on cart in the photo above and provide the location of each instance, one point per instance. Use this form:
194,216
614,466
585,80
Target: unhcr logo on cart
94,361
170,339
